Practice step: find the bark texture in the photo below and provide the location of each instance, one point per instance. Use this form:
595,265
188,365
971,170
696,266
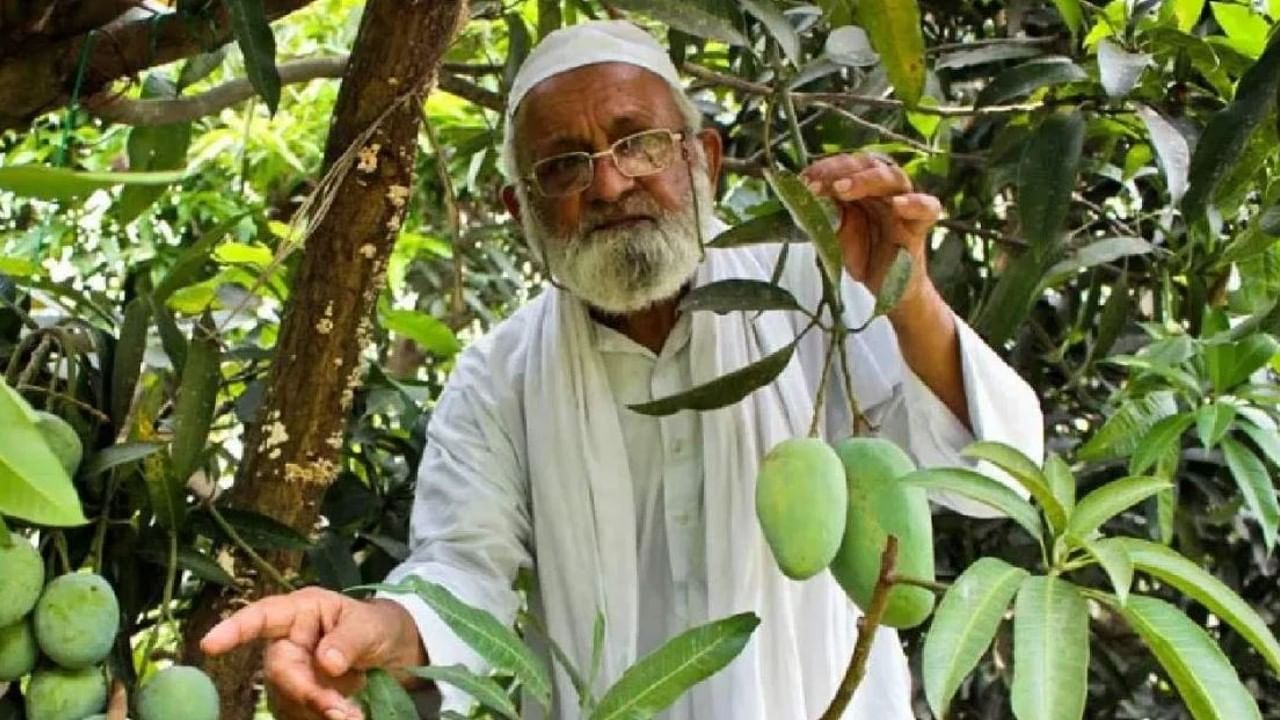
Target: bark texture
41,44
292,452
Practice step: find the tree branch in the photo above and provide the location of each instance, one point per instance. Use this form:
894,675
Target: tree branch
37,82
50,22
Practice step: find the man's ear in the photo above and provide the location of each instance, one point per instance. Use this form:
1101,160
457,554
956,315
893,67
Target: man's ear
510,199
713,149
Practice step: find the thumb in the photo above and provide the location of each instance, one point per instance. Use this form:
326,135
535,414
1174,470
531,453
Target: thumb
356,640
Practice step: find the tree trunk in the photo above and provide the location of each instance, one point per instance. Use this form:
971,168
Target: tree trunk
292,452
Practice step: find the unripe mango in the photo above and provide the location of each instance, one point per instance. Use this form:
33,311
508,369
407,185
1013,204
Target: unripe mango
880,506
800,502
76,620
61,694
21,578
17,650
178,693
62,439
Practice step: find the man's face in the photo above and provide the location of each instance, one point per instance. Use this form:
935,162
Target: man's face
621,243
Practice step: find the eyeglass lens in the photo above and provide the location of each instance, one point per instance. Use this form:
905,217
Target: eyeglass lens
642,154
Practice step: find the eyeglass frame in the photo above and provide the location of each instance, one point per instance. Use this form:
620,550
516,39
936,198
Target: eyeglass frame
678,137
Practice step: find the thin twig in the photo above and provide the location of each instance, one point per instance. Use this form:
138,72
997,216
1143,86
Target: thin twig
986,42
96,413
867,625
938,587
877,128
263,566
992,235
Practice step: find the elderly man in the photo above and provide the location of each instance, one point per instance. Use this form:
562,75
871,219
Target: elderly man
534,459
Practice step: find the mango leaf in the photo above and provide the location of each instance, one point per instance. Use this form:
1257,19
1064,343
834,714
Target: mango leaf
711,19
1011,299
192,560
193,264
1046,177
1267,442
1121,433
1110,500
984,55
1094,254
724,390
33,484
1185,13
1208,684
1157,442
808,214
1028,77
850,46
152,148
1115,313
1171,149
1231,364
1021,467
894,27
727,296
1119,68
118,455
261,532
386,699
1245,27
979,487
1050,650
1222,143
778,26
1256,487
895,282
963,626
1061,481
258,45
772,227
1213,421
429,332
518,46
199,67
1177,377
126,366
838,12
1072,15
1173,568
485,691
50,183
661,677
1166,510
494,642
1115,562
171,337
197,399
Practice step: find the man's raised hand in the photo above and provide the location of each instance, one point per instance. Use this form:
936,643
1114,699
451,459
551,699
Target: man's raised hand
319,645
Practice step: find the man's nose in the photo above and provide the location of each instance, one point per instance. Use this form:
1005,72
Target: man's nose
608,183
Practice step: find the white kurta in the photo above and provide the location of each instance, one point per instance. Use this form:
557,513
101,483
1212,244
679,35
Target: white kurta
473,522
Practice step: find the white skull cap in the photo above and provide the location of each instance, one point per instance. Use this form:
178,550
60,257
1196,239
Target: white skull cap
586,43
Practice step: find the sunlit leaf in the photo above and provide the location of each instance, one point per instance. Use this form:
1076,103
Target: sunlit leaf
33,484
896,33
1171,149
1023,79
1121,433
711,19
1050,651
658,679
429,332
1213,421
980,488
484,690
963,626
1256,487
1205,679
50,183
1110,500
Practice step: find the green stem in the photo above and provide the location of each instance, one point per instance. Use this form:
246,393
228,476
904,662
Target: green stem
262,565
100,537
789,107
170,574
937,587
60,545
820,400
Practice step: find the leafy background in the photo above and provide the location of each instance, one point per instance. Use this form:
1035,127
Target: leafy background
1111,225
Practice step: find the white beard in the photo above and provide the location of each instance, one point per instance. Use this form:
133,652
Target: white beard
625,269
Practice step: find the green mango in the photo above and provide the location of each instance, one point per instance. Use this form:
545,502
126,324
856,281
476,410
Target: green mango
800,501
62,439
76,620
61,694
17,650
180,692
21,579
878,507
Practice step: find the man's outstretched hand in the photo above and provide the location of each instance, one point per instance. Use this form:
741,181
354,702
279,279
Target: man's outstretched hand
319,645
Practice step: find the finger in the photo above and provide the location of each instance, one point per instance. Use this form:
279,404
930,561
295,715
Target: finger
879,180
823,173
917,207
268,619
288,670
353,639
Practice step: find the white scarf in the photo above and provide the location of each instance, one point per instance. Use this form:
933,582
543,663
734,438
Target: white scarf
798,653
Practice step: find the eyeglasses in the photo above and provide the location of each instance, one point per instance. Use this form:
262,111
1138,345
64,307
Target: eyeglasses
645,153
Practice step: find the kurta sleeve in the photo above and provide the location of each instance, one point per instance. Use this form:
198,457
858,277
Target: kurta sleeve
1002,406
470,526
